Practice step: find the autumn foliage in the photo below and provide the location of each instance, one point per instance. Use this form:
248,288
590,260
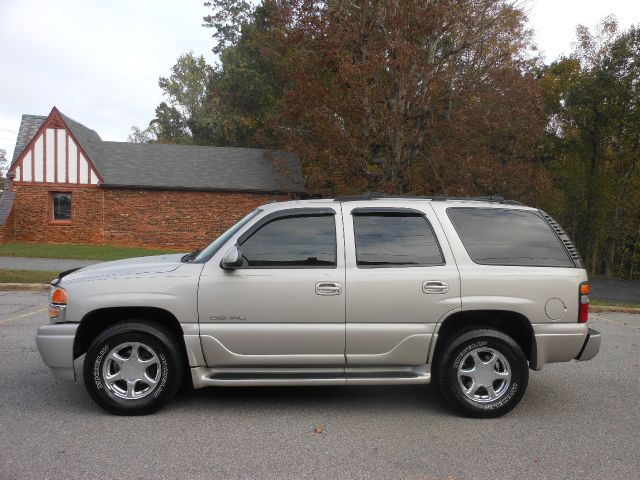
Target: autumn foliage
407,97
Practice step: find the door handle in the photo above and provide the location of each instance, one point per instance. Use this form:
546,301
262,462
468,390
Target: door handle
435,286
328,288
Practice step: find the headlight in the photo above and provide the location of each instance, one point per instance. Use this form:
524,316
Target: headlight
59,296
58,304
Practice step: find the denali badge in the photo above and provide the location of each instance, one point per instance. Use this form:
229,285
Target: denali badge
226,318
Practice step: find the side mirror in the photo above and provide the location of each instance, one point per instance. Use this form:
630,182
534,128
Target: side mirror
232,259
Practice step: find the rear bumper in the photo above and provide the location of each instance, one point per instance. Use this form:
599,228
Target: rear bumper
591,346
563,342
55,343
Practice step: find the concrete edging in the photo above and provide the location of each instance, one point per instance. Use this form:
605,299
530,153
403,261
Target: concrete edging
24,287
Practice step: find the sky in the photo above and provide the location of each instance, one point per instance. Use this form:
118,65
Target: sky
99,61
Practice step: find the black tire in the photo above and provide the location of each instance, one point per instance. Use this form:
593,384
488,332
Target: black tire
167,368
479,403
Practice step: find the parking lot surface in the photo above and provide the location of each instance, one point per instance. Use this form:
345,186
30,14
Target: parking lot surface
577,420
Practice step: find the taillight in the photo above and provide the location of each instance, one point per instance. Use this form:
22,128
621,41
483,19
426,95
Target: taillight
583,314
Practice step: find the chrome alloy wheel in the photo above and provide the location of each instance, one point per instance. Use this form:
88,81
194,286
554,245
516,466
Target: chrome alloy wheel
131,370
484,375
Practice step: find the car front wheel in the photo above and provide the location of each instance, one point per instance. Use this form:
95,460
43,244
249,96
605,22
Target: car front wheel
133,368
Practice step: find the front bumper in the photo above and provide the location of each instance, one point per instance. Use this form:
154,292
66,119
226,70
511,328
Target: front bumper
591,346
55,343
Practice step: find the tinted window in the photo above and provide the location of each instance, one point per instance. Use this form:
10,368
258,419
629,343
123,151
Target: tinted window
390,239
306,241
508,237
61,206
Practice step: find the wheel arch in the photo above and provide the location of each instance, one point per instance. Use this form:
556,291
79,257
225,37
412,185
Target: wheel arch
511,323
96,321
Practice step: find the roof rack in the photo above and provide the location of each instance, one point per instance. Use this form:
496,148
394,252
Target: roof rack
380,196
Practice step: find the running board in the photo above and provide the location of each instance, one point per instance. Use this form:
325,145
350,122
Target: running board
244,377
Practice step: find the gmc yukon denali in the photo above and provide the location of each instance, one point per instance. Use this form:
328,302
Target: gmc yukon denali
469,293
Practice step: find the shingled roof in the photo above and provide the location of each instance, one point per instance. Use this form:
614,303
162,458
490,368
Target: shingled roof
29,125
164,166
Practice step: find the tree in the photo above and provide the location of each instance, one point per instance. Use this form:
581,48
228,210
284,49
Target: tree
397,96
4,161
187,89
226,105
138,135
592,144
227,19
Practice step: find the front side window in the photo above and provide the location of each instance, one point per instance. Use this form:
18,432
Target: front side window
307,241
494,236
61,206
395,240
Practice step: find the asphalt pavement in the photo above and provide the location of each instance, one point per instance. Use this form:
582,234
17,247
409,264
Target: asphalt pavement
577,421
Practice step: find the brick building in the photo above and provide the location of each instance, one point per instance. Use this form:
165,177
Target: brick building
66,185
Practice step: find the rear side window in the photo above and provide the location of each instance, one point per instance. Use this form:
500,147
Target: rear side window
395,240
495,236
293,242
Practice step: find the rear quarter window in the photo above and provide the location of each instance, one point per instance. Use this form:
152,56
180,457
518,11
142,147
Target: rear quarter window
494,236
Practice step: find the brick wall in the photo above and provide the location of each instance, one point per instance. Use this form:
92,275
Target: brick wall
155,218
173,219
33,217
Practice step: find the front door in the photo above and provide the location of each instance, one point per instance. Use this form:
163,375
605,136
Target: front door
402,279
286,304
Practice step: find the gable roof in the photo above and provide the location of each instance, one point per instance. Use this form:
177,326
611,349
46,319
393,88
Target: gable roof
168,166
83,134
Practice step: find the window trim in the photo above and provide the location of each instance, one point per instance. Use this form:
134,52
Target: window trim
52,219
291,213
534,213
399,212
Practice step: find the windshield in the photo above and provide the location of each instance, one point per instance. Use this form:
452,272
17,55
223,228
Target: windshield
222,239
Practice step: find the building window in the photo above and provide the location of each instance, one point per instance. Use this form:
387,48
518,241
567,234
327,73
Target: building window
61,203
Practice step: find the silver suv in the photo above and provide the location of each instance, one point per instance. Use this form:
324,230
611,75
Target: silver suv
471,293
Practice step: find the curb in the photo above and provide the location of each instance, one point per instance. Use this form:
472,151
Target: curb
613,309
25,287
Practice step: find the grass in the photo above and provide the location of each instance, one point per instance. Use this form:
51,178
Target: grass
27,276
79,252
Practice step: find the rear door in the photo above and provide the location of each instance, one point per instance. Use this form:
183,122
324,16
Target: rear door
401,280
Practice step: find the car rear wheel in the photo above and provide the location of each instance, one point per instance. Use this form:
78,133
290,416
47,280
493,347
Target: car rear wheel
133,368
482,373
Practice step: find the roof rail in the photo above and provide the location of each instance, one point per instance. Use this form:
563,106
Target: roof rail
364,196
491,198
379,196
